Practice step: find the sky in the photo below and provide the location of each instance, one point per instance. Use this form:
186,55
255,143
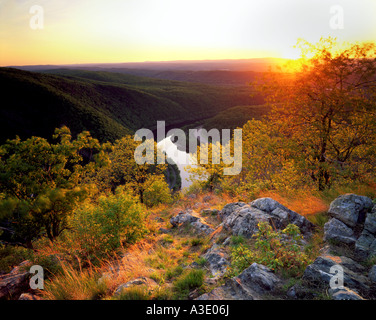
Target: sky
115,31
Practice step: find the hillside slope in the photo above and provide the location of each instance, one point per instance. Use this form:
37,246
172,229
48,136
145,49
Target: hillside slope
109,105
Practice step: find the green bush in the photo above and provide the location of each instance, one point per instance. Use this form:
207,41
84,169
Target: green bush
11,256
156,192
187,282
278,250
115,221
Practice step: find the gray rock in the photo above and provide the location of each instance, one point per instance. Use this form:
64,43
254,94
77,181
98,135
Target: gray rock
242,219
319,273
14,283
252,284
370,223
282,215
189,217
183,217
230,208
260,278
344,294
351,209
363,245
217,260
231,290
148,283
336,230
210,211
372,275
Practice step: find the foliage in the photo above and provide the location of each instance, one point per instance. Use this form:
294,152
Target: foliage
11,256
236,117
278,250
103,227
123,170
187,281
214,161
41,182
324,114
156,191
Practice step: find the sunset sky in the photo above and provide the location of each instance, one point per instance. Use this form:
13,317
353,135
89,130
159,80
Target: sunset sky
90,31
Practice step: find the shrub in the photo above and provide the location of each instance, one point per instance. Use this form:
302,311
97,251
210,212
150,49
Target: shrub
156,192
174,272
196,242
236,240
188,281
278,250
116,220
11,256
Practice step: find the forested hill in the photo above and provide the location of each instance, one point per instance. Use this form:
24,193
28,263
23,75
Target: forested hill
109,105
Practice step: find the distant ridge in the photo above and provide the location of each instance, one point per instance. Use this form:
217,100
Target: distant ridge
256,64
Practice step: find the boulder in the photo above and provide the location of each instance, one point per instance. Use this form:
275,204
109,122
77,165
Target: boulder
372,275
230,208
150,284
15,282
336,230
260,278
252,284
243,219
190,217
217,260
351,209
353,224
320,273
365,245
283,214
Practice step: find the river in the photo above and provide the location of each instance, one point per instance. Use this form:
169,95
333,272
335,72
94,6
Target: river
181,158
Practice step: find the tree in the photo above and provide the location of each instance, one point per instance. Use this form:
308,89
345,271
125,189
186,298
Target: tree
41,182
326,110
123,169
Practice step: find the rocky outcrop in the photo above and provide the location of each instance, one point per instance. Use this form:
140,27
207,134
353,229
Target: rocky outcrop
252,284
336,230
191,218
242,219
353,223
217,260
325,267
352,227
15,282
351,209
